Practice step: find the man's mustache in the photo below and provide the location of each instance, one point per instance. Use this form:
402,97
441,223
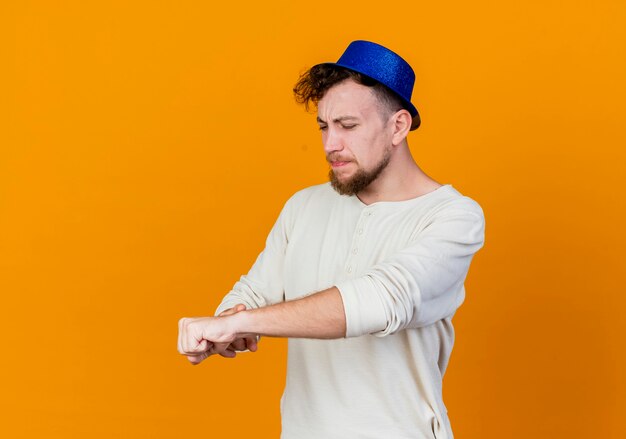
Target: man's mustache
335,157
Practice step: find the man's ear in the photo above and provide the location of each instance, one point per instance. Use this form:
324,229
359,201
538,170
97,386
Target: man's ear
401,121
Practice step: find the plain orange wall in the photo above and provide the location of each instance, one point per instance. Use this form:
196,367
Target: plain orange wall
146,149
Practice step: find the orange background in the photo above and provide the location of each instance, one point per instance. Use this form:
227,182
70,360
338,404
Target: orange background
146,149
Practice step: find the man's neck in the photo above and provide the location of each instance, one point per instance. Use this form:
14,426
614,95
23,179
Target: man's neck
402,180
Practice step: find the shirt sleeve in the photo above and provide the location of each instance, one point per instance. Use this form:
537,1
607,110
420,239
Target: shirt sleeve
263,285
420,284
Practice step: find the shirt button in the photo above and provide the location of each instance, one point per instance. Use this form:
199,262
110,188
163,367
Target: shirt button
360,231
349,269
354,251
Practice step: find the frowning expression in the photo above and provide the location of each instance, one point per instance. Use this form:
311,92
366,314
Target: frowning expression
356,135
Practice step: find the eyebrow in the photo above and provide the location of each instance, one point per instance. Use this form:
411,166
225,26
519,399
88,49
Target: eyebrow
338,119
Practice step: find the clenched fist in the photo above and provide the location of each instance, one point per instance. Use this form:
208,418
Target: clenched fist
199,338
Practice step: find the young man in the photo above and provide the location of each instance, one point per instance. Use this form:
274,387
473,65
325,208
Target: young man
363,274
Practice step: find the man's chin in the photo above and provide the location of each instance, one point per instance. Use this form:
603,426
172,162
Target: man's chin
341,189
341,180
356,181
342,186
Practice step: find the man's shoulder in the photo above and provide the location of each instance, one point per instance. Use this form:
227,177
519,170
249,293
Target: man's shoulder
316,192
310,203
317,189
451,199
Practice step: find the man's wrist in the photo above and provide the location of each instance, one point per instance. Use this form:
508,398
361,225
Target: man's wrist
239,324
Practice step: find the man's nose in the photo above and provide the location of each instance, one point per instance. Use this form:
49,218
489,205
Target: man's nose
332,142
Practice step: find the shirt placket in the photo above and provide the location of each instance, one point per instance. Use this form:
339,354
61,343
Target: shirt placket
352,262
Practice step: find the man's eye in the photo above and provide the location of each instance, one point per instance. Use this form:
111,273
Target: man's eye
348,127
323,127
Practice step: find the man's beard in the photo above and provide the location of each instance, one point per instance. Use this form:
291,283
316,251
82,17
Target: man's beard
361,179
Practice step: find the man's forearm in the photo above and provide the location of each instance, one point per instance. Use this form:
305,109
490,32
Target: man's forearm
320,315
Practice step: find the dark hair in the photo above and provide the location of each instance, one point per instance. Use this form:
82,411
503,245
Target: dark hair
315,82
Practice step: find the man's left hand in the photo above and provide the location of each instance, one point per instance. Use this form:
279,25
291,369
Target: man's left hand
199,338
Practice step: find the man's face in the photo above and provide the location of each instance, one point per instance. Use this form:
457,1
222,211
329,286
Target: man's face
356,136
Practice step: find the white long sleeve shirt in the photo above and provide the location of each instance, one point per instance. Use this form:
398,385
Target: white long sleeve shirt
400,268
